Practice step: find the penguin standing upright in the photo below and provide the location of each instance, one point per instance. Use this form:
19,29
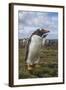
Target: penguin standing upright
34,46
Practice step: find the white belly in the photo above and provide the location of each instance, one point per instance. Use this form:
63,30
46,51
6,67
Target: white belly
34,47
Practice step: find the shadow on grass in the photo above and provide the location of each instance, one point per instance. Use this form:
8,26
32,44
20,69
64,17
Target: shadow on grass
42,71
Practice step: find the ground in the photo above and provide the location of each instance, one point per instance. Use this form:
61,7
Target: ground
48,64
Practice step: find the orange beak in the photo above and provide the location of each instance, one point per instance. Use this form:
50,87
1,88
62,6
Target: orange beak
46,31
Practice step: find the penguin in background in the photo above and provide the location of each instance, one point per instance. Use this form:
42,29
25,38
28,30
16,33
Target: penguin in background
33,47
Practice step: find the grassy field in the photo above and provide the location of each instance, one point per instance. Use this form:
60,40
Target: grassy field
48,64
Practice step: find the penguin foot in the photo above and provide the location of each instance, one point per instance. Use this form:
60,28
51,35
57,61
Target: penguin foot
29,67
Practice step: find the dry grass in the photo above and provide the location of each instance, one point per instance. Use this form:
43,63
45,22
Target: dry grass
48,64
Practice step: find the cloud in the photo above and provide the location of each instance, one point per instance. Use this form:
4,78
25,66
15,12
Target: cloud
29,21
26,32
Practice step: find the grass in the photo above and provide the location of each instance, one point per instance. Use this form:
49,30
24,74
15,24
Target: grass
48,64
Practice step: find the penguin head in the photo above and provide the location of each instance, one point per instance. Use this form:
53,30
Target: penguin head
44,32
41,32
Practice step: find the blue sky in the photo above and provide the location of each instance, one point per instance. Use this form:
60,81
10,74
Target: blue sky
29,21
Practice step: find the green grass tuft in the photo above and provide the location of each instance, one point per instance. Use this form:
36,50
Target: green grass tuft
48,64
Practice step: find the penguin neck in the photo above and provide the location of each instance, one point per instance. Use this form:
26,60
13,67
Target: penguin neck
37,36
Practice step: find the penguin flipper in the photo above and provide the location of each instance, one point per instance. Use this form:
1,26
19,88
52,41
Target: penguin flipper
27,49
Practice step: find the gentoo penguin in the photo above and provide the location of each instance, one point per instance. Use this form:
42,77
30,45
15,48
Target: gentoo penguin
34,46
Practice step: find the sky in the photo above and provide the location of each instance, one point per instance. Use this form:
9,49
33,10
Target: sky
29,21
